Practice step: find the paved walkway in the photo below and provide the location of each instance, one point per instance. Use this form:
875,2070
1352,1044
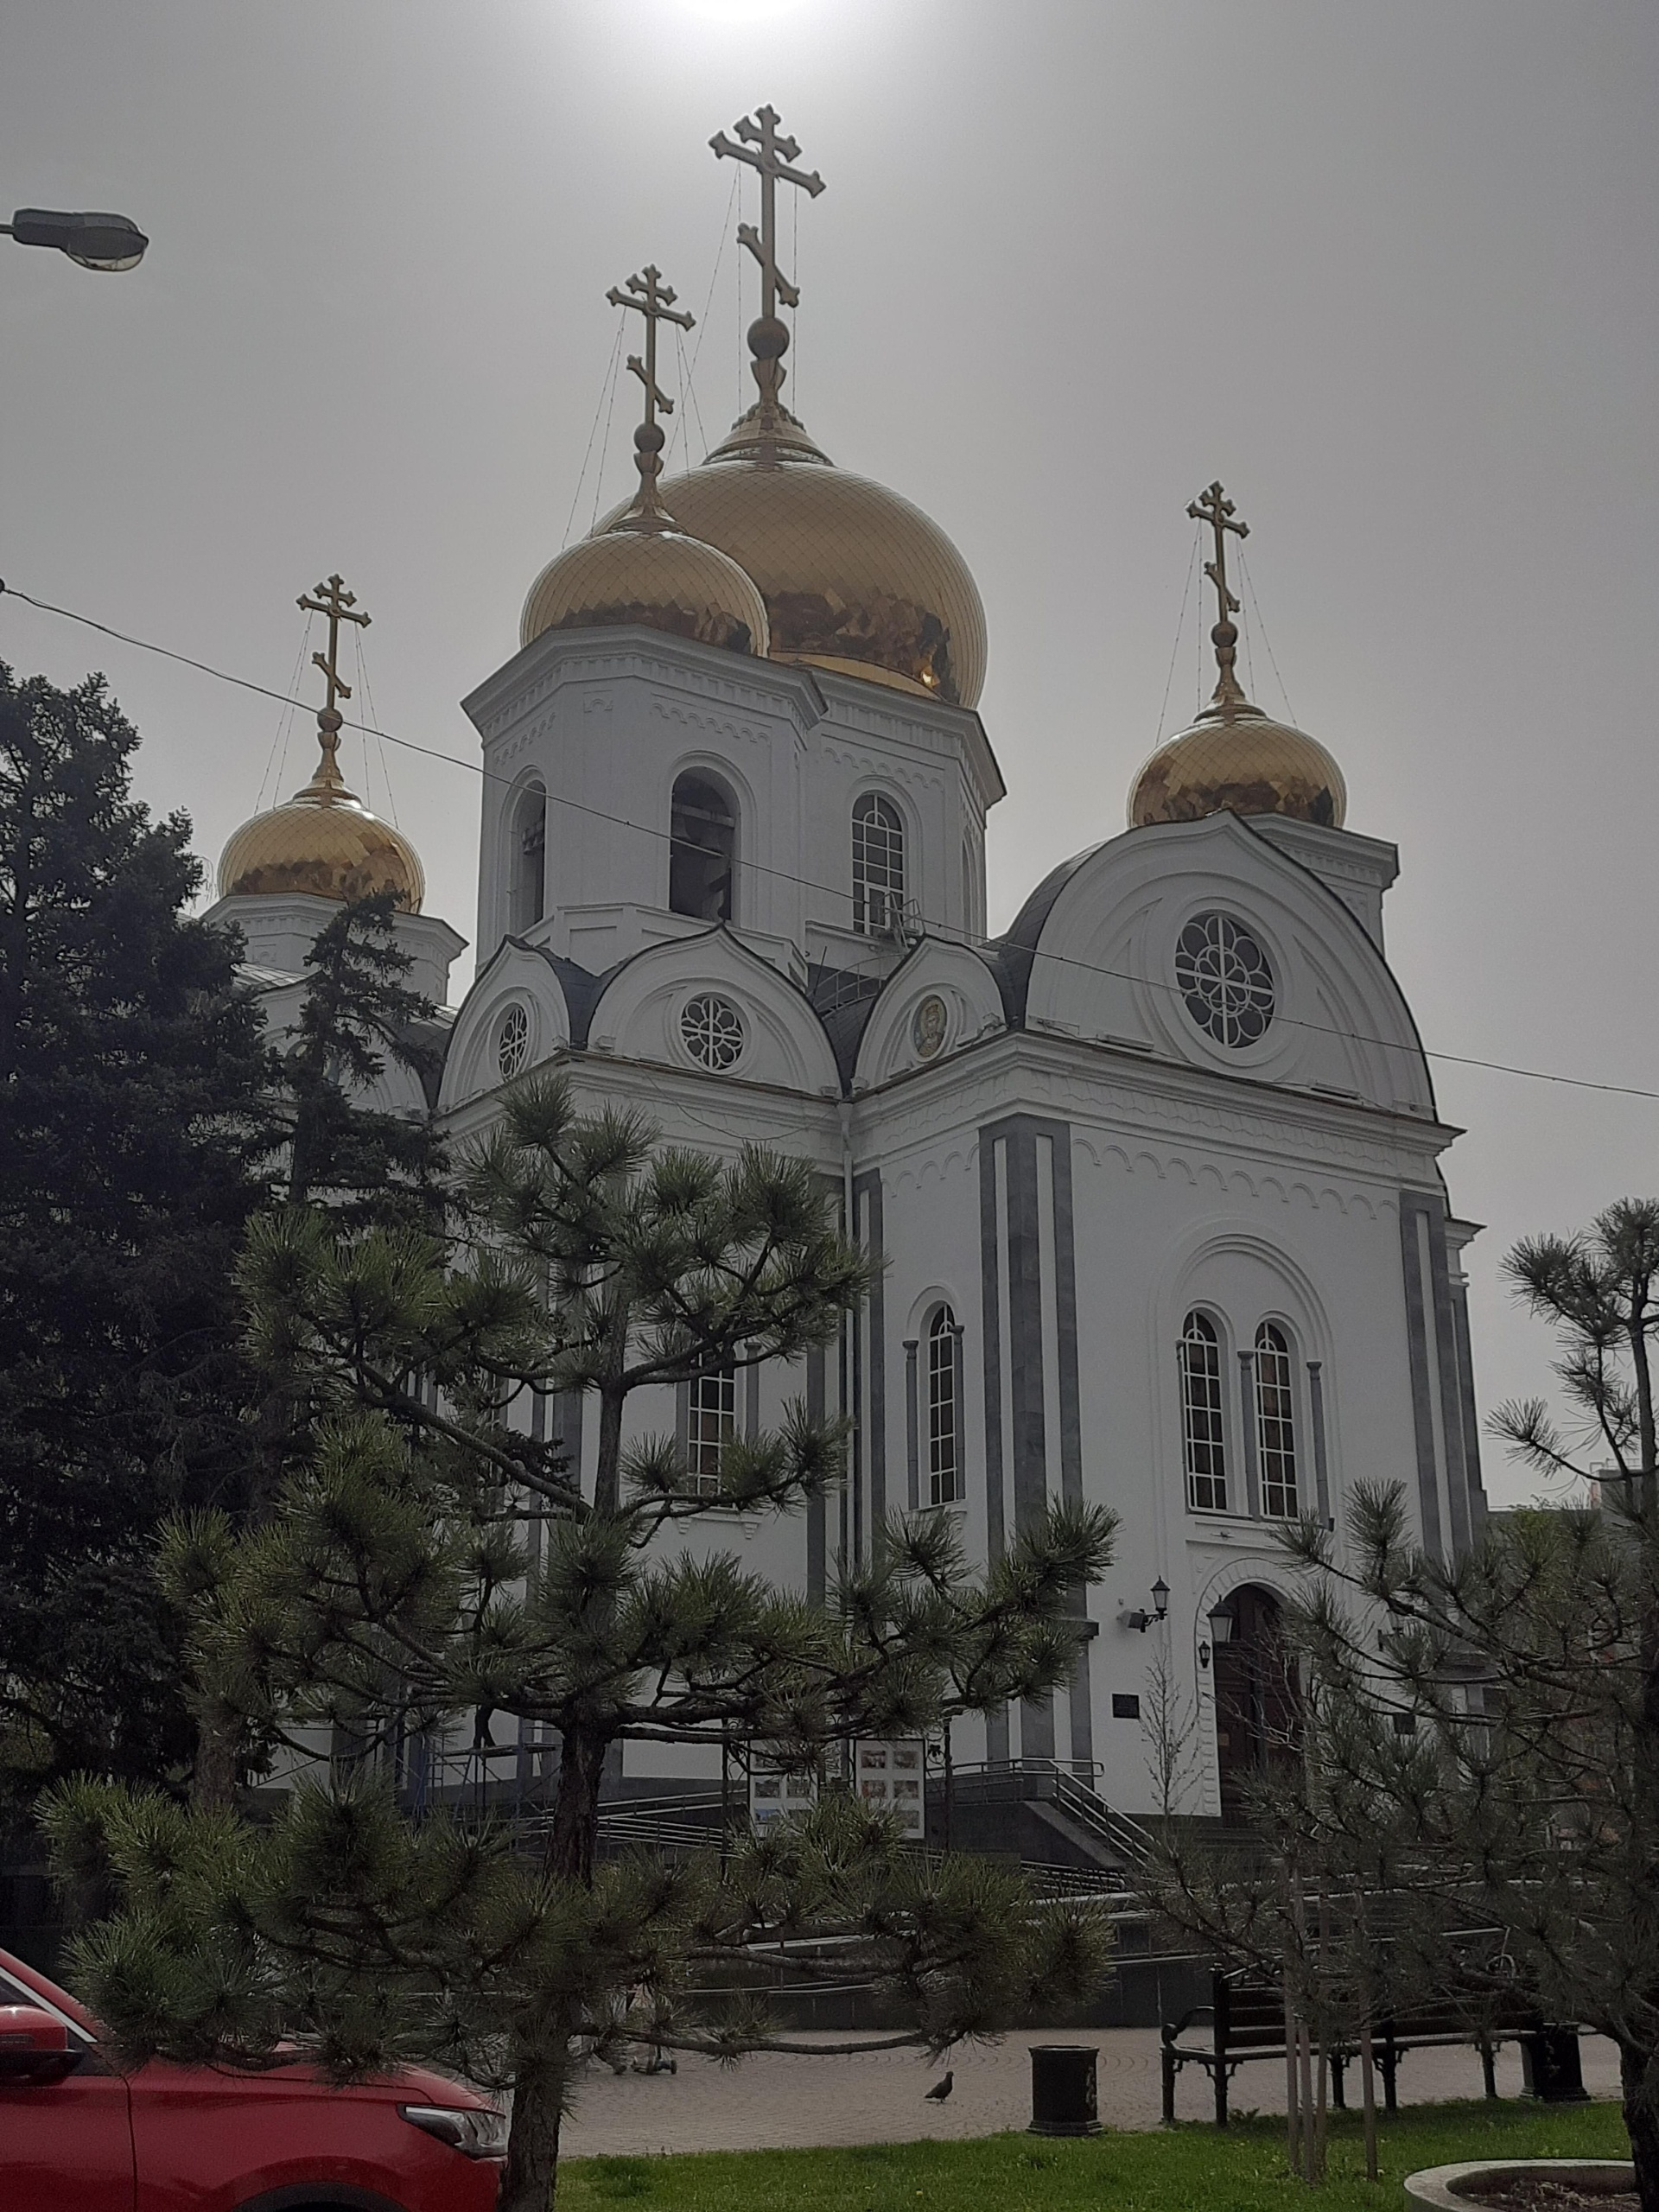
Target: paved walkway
772,2102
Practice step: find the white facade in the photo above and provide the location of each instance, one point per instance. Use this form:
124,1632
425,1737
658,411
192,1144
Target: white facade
1037,1134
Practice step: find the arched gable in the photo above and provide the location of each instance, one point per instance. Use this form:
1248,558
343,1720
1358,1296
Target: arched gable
940,998
517,977
642,1013
1103,963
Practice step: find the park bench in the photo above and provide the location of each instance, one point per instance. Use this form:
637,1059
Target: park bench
1245,2020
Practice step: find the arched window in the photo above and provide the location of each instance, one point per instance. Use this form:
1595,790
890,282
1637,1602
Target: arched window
703,850
945,1469
1275,1423
878,865
711,1426
1202,1424
527,859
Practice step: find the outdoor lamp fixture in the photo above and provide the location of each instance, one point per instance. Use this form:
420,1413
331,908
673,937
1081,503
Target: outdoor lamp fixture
1159,1608
95,241
1221,1630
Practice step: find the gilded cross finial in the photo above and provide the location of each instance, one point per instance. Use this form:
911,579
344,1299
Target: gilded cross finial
771,154
651,298
333,601
1214,508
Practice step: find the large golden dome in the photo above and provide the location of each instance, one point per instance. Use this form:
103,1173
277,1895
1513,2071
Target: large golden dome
1236,760
325,842
855,578
657,577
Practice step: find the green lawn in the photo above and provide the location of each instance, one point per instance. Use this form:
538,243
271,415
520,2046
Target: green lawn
1189,2169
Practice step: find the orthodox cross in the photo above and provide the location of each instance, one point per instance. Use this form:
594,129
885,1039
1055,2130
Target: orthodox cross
1214,508
649,297
336,602
770,152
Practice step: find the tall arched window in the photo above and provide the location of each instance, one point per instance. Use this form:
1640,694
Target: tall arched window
527,859
945,1469
1203,1420
878,865
1275,1422
711,1426
703,850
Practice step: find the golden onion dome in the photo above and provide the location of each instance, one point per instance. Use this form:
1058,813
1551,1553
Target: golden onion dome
855,578
1236,759
324,843
658,577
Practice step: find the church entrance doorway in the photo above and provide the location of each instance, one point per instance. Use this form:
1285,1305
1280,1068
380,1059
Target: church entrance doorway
1257,1721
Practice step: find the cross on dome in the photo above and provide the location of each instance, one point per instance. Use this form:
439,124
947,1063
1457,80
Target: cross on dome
1213,507
653,301
770,153
333,601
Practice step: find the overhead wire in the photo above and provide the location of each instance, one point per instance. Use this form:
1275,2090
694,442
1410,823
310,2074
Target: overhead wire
944,930
607,386
1258,624
1180,624
285,724
690,372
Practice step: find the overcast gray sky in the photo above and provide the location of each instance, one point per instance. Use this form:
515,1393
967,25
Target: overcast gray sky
1389,272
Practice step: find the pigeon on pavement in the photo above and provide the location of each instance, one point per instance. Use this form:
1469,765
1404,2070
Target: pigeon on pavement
941,2090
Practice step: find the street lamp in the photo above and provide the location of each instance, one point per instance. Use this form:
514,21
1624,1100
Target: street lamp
95,241
1159,1608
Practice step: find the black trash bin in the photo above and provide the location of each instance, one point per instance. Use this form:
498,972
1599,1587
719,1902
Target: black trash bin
1550,2067
1062,2095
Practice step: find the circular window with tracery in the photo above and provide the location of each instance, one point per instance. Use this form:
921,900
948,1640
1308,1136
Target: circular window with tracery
1226,980
512,1043
712,1030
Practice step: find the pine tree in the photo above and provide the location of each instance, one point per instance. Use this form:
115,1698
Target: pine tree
1478,1768
133,1124
429,1566
361,1011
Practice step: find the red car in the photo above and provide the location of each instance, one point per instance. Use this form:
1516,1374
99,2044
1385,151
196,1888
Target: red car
76,2136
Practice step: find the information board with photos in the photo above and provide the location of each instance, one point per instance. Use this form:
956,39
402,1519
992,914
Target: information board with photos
775,1793
890,1775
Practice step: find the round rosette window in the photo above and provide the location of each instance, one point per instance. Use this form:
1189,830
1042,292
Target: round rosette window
928,1027
512,1042
1225,979
713,1032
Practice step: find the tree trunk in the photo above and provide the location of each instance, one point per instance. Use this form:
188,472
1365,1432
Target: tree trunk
574,1832
1638,2072
607,1475
1367,2091
531,2179
213,1778
1293,2103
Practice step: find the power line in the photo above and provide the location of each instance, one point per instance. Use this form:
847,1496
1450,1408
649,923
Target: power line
940,930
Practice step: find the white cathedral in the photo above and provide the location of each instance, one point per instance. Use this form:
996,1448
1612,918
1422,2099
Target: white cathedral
1153,1176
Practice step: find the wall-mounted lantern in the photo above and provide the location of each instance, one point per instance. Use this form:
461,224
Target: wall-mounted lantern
1159,1608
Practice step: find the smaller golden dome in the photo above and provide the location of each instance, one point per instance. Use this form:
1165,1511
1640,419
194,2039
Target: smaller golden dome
1236,760
660,578
324,843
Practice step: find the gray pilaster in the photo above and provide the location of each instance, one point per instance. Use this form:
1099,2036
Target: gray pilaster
1252,1443
1413,1206
751,1403
912,1428
867,1188
960,1400
817,1514
991,1348
1321,1464
1471,1417
1445,1340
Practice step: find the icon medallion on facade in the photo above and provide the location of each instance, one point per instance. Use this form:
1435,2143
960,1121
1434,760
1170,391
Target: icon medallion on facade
512,1042
712,1031
1225,979
928,1025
